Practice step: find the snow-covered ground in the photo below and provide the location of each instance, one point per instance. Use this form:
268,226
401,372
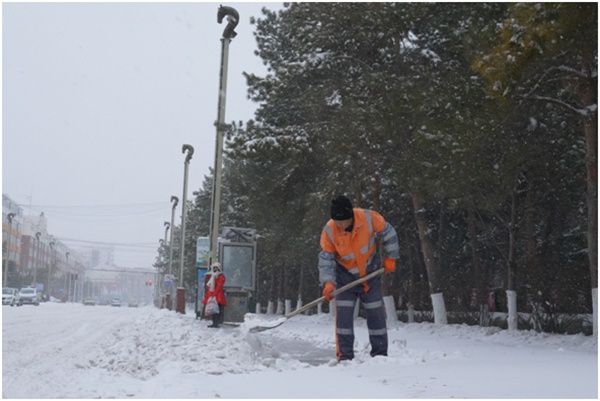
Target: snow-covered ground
76,351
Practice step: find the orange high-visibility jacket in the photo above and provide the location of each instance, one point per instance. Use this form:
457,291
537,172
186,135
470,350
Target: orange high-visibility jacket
355,250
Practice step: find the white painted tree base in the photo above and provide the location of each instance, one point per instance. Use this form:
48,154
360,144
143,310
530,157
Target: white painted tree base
257,310
513,317
279,310
270,308
288,306
411,313
439,308
391,317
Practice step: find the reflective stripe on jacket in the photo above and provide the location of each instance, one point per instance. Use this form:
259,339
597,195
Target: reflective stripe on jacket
354,250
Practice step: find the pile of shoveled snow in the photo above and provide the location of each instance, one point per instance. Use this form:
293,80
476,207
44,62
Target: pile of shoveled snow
160,338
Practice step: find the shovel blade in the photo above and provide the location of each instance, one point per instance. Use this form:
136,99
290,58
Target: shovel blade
258,329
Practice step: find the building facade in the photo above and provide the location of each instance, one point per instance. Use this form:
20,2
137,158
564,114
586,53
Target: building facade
12,224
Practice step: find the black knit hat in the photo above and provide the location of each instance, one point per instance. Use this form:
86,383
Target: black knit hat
341,208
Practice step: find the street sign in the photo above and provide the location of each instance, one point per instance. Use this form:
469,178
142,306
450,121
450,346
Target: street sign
200,275
202,252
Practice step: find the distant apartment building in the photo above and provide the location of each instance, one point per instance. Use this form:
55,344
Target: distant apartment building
29,251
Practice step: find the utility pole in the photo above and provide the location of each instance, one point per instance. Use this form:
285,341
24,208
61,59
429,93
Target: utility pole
159,277
180,307
9,217
37,258
53,260
174,201
228,34
67,276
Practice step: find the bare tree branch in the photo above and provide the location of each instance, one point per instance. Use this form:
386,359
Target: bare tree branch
582,112
561,68
571,70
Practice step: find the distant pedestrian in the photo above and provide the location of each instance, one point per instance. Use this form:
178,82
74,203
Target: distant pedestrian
348,252
214,300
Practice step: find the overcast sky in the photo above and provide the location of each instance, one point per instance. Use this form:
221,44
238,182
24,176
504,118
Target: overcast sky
98,99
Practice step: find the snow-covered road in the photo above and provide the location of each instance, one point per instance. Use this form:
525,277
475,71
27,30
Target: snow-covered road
76,351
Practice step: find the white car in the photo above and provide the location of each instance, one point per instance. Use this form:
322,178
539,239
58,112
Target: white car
89,301
28,295
9,296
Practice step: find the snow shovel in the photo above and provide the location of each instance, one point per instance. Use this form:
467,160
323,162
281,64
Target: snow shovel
316,301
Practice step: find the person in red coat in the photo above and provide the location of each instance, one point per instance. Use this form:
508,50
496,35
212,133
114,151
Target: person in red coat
213,287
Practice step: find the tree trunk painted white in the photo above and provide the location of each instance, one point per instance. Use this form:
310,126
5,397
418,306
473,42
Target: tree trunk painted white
257,311
595,310
439,308
484,315
279,310
356,309
513,318
299,303
270,307
319,308
288,306
391,316
411,313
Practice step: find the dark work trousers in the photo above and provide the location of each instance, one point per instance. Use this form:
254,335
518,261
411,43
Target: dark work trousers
373,303
217,319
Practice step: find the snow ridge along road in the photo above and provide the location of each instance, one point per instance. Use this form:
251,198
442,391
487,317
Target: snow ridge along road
76,351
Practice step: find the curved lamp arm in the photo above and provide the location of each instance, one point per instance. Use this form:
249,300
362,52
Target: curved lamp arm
233,19
190,150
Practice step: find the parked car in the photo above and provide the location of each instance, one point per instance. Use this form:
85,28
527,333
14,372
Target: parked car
89,301
9,296
115,302
28,295
132,304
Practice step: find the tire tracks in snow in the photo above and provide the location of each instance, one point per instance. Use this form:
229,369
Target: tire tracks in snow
39,351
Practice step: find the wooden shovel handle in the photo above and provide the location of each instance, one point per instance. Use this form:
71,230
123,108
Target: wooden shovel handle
336,292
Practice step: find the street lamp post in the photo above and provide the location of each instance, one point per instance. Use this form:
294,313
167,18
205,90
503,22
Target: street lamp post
167,226
180,307
67,277
53,260
76,285
228,34
37,258
9,217
175,201
159,276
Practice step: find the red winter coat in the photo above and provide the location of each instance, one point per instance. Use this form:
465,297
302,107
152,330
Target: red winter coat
218,293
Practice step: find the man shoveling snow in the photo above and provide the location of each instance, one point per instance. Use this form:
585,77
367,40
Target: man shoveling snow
349,251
